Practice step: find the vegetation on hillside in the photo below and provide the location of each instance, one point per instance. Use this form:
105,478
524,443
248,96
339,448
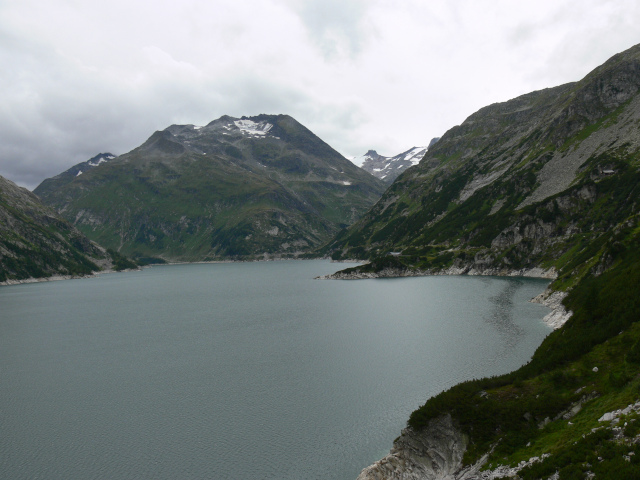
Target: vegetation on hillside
506,413
36,243
217,192
543,180
548,180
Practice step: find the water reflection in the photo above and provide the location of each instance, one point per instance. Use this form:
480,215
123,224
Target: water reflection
501,315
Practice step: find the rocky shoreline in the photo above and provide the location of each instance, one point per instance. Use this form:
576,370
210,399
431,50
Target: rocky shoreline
549,298
433,453
535,272
53,278
553,299
436,452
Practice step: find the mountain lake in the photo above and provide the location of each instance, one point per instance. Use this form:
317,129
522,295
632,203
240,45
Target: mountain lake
240,370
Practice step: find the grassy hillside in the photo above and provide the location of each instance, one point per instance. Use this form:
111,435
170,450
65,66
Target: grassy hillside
236,188
35,242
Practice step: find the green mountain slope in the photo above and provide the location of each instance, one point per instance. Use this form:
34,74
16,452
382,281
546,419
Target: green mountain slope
549,180
35,242
541,180
235,188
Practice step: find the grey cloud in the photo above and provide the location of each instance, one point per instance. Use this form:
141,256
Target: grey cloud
64,115
336,26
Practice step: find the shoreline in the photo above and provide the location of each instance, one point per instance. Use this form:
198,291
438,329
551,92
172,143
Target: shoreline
535,272
56,278
549,298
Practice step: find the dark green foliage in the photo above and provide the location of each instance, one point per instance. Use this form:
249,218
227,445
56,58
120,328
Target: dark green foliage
632,429
634,354
603,306
233,151
596,453
120,262
142,261
35,242
378,264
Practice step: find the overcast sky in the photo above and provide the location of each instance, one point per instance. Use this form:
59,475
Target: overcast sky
80,77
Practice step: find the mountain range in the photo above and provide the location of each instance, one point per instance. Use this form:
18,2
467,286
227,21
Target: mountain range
545,184
250,187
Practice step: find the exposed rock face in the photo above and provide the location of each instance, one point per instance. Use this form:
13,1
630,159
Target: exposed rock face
432,454
558,315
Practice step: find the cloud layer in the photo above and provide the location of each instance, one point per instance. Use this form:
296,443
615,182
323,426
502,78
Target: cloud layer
87,77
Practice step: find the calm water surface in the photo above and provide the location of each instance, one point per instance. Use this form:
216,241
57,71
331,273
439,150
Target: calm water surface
240,371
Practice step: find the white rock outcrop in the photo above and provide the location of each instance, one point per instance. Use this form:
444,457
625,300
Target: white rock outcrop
434,453
558,315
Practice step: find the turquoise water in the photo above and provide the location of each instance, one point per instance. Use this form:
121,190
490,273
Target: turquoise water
240,371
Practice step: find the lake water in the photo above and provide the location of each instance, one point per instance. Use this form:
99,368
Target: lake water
240,371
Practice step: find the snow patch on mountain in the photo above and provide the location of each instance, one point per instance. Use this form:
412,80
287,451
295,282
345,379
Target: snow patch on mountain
253,128
91,163
367,157
104,159
415,155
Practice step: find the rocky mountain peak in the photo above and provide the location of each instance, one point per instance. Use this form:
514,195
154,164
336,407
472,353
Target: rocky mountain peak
388,169
236,187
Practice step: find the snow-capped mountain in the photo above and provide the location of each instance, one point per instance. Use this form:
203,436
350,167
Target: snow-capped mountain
387,169
245,188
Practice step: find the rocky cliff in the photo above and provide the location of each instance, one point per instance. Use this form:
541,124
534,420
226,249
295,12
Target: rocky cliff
433,453
35,242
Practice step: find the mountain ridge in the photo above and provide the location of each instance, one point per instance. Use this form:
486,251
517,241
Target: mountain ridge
478,196
236,188
548,181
